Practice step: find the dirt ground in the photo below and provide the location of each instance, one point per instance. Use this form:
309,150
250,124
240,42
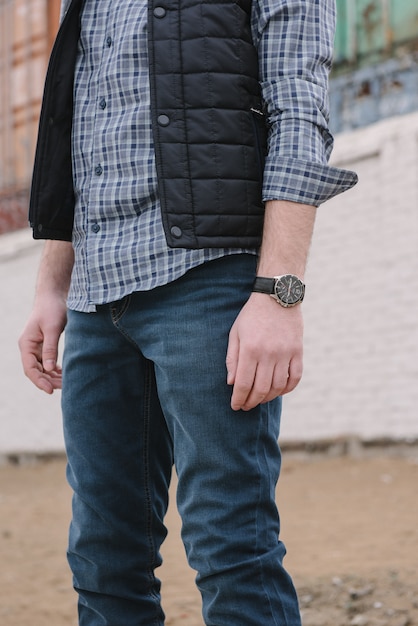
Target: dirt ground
350,526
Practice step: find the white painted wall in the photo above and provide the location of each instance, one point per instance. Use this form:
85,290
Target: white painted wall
361,308
30,421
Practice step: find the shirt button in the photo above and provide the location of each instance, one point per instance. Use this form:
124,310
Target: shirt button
95,228
163,120
102,103
108,41
176,232
98,170
159,12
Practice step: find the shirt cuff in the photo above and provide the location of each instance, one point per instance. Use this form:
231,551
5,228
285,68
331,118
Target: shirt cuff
303,181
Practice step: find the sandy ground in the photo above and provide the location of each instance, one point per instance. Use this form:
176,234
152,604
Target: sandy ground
350,526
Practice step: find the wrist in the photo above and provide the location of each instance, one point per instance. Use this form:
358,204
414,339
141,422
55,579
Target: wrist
288,290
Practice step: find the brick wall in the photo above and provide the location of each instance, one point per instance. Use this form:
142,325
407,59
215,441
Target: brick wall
13,209
27,30
361,306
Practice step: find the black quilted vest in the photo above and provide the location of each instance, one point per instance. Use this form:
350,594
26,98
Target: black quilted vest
207,120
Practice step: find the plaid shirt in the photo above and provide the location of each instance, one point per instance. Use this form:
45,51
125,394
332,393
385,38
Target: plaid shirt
118,236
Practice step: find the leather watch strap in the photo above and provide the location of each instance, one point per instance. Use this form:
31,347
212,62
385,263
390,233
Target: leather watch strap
264,285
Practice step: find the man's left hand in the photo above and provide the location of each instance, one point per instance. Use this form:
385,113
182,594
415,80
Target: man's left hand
264,357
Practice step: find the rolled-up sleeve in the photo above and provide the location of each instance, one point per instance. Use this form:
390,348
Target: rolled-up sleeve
295,40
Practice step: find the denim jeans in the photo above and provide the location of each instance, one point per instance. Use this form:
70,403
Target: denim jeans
144,386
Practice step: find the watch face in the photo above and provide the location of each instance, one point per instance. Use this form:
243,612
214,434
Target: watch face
289,289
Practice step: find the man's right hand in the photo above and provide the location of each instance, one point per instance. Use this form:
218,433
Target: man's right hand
38,344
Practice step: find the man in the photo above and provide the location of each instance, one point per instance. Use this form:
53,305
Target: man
148,185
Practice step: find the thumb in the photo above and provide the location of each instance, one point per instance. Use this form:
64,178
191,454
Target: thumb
50,350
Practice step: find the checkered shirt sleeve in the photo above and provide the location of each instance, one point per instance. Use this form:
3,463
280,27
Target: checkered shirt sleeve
295,46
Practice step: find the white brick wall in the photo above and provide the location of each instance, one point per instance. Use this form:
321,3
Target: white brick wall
361,307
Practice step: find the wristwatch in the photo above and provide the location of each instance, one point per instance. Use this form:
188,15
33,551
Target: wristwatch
288,290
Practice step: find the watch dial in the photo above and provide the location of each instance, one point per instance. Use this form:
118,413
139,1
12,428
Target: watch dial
289,289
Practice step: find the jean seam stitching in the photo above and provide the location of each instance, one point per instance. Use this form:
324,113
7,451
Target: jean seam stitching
259,450
116,315
147,490
118,309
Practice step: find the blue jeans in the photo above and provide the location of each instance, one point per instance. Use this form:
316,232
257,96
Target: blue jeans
145,387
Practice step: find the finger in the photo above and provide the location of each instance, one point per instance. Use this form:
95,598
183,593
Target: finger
54,379
50,349
30,352
31,356
279,381
244,381
232,356
34,371
262,385
284,380
295,374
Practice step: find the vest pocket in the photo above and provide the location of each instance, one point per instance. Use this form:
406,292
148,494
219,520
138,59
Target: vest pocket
260,134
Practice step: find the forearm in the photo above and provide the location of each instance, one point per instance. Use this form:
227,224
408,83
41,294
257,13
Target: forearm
287,235
55,269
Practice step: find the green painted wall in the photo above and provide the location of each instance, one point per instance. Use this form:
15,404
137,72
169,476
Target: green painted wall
371,30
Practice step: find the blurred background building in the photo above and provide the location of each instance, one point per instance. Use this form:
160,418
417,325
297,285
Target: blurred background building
361,355
27,30
376,62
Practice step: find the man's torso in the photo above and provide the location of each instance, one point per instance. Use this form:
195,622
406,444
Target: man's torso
118,237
